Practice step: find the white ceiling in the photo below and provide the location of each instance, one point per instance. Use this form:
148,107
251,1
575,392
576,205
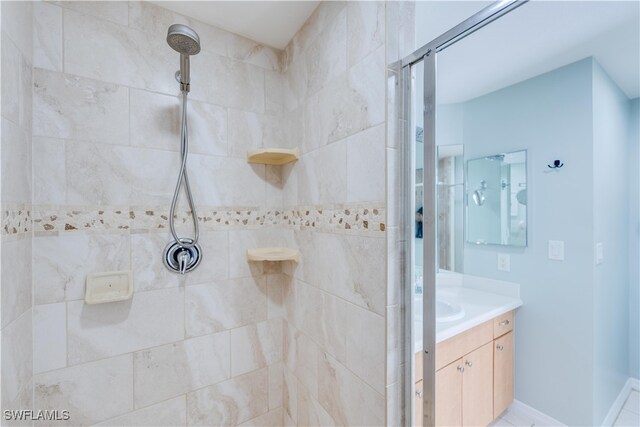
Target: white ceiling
273,23
535,38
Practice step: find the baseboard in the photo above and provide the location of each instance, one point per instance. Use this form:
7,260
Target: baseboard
519,410
616,406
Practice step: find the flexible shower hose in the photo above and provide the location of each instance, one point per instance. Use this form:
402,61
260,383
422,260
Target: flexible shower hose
184,149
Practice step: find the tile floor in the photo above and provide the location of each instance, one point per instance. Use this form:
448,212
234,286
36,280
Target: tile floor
629,415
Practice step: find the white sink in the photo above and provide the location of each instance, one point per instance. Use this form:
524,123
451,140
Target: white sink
448,311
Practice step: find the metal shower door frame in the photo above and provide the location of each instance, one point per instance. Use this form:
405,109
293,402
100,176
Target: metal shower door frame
428,55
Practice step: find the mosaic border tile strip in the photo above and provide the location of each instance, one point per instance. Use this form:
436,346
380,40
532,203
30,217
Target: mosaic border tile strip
361,219
16,220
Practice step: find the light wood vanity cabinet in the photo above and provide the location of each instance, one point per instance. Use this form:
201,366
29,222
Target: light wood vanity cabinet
502,373
474,375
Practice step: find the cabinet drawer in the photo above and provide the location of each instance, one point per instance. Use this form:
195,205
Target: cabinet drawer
502,324
463,343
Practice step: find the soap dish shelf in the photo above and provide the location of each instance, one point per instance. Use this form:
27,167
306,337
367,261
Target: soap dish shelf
273,156
272,254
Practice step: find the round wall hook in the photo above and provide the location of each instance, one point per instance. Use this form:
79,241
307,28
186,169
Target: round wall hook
557,164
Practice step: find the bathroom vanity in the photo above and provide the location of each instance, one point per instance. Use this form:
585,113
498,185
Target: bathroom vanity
474,360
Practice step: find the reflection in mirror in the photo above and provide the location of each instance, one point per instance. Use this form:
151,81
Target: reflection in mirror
497,199
450,179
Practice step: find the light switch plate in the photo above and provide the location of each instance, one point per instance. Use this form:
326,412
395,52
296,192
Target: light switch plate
108,287
599,253
556,250
504,262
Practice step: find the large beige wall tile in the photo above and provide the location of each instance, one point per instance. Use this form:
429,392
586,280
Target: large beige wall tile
301,358
16,154
50,178
272,418
66,106
17,359
47,36
345,265
364,355
111,11
326,58
366,166
142,57
49,337
290,403
61,263
251,52
16,82
16,279
366,23
231,402
17,18
235,85
276,378
256,346
224,305
322,175
174,369
91,392
104,330
156,121
170,413
346,397
310,411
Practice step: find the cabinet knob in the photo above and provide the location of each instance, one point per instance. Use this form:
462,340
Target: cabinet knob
419,394
468,363
461,369
500,347
504,323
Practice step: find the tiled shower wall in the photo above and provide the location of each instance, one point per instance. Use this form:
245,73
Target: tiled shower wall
339,317
16,313
335,297
231,343
203,349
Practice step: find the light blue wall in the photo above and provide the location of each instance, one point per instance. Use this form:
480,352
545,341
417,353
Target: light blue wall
611,222
550,116
634,239
577,333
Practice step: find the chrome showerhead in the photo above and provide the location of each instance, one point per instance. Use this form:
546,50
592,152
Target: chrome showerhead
185,41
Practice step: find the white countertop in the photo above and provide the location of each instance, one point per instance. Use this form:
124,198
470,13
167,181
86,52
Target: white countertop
479,306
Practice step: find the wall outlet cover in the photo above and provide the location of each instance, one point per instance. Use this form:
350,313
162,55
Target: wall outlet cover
599,253
556,250
504,262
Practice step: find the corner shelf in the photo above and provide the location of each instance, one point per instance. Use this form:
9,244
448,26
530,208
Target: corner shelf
273,156
272,254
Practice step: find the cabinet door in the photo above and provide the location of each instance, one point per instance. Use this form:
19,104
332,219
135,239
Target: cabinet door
419,405
449,395
477,387
502,374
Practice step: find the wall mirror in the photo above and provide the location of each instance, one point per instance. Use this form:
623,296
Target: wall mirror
496,199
